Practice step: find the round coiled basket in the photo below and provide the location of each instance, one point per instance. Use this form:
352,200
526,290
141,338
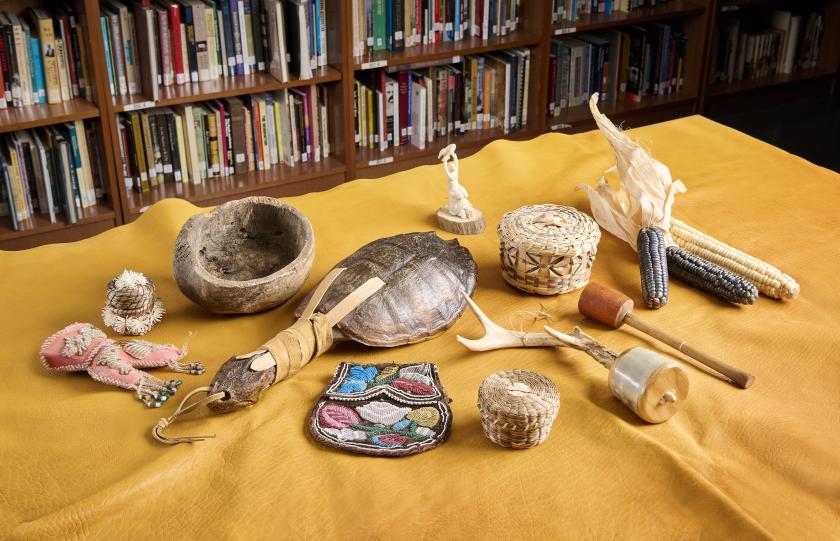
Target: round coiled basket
547,249
517,408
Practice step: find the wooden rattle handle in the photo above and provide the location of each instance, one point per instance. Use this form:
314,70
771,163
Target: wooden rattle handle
741,378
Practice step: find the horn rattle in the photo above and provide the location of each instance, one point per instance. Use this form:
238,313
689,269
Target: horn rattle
651,385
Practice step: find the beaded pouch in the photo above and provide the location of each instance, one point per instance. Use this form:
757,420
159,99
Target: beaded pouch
383,409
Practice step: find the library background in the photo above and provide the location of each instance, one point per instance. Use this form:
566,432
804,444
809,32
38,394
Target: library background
107,107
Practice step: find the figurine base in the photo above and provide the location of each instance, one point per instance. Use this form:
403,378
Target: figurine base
460,226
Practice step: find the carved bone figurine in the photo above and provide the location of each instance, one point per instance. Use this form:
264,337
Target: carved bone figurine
651,385
459,216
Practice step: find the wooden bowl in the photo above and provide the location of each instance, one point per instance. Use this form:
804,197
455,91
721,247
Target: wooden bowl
244,256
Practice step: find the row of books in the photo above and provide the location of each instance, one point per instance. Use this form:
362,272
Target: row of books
413,107
394,25
177,42
786,43
570,10
43,57
213,139
626,64
50,171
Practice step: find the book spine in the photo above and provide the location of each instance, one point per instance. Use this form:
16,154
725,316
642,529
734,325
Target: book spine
202,53
221,39
140,152
117,54
398,25
182,174
213,66
60,55
248,36
167,145
69,52
17,188
86,181
37,70
257,21
230,45
243,37
167,71
4,68
379,31
177,53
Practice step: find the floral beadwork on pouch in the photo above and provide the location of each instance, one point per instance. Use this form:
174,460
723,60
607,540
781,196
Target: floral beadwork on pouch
383,409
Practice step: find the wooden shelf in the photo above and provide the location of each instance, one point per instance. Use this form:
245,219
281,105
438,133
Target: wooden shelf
749,85
221,88
580,115
234,185
39,223
673,9
33,116
366,157
443,50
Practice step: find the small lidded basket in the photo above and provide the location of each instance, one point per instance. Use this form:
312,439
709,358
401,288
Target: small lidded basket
131,304
517,408
547,249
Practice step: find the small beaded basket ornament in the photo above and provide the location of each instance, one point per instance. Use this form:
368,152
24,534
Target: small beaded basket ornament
517,408
547,249
82,347
383,409
131,306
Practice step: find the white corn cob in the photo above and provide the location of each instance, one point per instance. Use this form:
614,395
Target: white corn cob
767,278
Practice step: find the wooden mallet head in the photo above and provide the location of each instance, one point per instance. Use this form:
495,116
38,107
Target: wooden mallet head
605,304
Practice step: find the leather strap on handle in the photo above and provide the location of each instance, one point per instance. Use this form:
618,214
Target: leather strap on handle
311,335
182,409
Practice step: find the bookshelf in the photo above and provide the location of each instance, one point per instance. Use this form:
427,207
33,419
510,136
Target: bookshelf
821,79
699,20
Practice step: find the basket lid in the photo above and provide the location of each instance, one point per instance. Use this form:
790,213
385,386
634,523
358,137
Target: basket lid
549,229
520,397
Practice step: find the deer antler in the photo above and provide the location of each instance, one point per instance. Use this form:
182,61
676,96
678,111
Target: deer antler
497,337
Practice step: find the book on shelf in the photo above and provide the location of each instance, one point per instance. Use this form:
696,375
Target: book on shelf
627,64
571,10
749,47
150,45
42,57
395,25
50,172
215,139
398,107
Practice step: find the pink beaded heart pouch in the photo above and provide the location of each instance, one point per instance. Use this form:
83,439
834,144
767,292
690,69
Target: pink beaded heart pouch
383,409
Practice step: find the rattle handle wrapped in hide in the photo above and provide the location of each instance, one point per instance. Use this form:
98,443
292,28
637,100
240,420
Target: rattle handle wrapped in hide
292,348
311,335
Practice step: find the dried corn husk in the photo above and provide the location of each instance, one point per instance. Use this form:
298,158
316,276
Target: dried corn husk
644,199
646,190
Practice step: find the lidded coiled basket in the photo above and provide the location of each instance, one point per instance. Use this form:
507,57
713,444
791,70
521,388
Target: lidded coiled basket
547,249
131,304
517,408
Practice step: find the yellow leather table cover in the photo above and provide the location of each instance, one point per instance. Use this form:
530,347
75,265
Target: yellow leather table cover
77,459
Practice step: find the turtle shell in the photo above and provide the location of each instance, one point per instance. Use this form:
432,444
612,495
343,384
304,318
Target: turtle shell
423,276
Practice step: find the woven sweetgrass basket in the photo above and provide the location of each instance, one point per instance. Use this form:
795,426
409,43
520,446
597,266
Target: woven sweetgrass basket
547,249
517,408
